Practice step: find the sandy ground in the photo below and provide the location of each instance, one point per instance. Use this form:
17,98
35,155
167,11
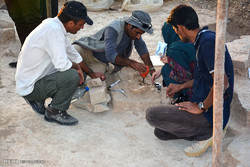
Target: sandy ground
117,138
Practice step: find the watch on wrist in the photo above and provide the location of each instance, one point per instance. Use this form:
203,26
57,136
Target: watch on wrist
150,70
201,106
90,71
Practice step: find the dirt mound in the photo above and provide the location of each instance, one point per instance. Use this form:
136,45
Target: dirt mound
238,16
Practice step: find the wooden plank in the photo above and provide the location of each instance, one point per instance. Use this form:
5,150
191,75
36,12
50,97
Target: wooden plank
221,23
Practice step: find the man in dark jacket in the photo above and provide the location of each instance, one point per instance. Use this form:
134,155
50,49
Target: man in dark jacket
193,120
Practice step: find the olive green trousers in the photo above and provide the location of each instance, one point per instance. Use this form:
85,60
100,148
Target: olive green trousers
60,86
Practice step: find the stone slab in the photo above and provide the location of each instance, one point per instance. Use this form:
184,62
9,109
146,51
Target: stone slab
240,107
239,50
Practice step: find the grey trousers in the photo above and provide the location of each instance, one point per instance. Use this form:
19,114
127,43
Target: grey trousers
60,86
172,123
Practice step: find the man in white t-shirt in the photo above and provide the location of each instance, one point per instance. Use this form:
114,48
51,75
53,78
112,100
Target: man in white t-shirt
49,66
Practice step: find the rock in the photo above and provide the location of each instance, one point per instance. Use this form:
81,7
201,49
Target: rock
95,83
240,107
239,50
5,20
100,108
7,35
96,99
7,29
95,108
98,95
239,149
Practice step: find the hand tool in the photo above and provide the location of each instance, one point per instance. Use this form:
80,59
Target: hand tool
113,84
119,90
144,74
157,85
116,90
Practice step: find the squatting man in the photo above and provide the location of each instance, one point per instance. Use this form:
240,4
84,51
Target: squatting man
49,66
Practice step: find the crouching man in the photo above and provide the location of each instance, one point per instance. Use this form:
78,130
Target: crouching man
193,120
49,66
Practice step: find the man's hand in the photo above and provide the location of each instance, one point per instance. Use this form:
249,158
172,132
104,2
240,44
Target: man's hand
141,68
89,72
97,75
81,76
155,75
172,89
189,107
79,70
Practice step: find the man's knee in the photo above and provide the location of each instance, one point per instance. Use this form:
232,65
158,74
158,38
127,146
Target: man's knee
85,53
150,115
72,76
75,76
77,48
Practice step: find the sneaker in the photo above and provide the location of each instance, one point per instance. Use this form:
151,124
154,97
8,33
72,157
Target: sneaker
60,117
37,106
198,147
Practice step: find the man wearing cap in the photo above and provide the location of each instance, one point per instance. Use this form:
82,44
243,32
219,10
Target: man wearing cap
114,43
55,69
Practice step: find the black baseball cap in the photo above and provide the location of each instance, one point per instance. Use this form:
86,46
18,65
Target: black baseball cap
77,10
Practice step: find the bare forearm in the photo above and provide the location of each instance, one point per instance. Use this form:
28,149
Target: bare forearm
146,59
85,68
186,85
208,102
119,60
174,88
75,66
140,67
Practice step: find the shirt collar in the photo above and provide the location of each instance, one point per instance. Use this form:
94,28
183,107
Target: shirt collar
204,29
61,24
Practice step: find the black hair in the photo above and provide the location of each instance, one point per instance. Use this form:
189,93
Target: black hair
184,15
131,25
64,17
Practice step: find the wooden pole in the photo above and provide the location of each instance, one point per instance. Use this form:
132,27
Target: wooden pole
221,24
48,8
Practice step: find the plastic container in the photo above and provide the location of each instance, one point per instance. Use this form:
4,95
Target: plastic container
79,93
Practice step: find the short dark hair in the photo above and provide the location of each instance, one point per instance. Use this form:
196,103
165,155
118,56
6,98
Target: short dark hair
74,11
184,15
131,25
64,17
